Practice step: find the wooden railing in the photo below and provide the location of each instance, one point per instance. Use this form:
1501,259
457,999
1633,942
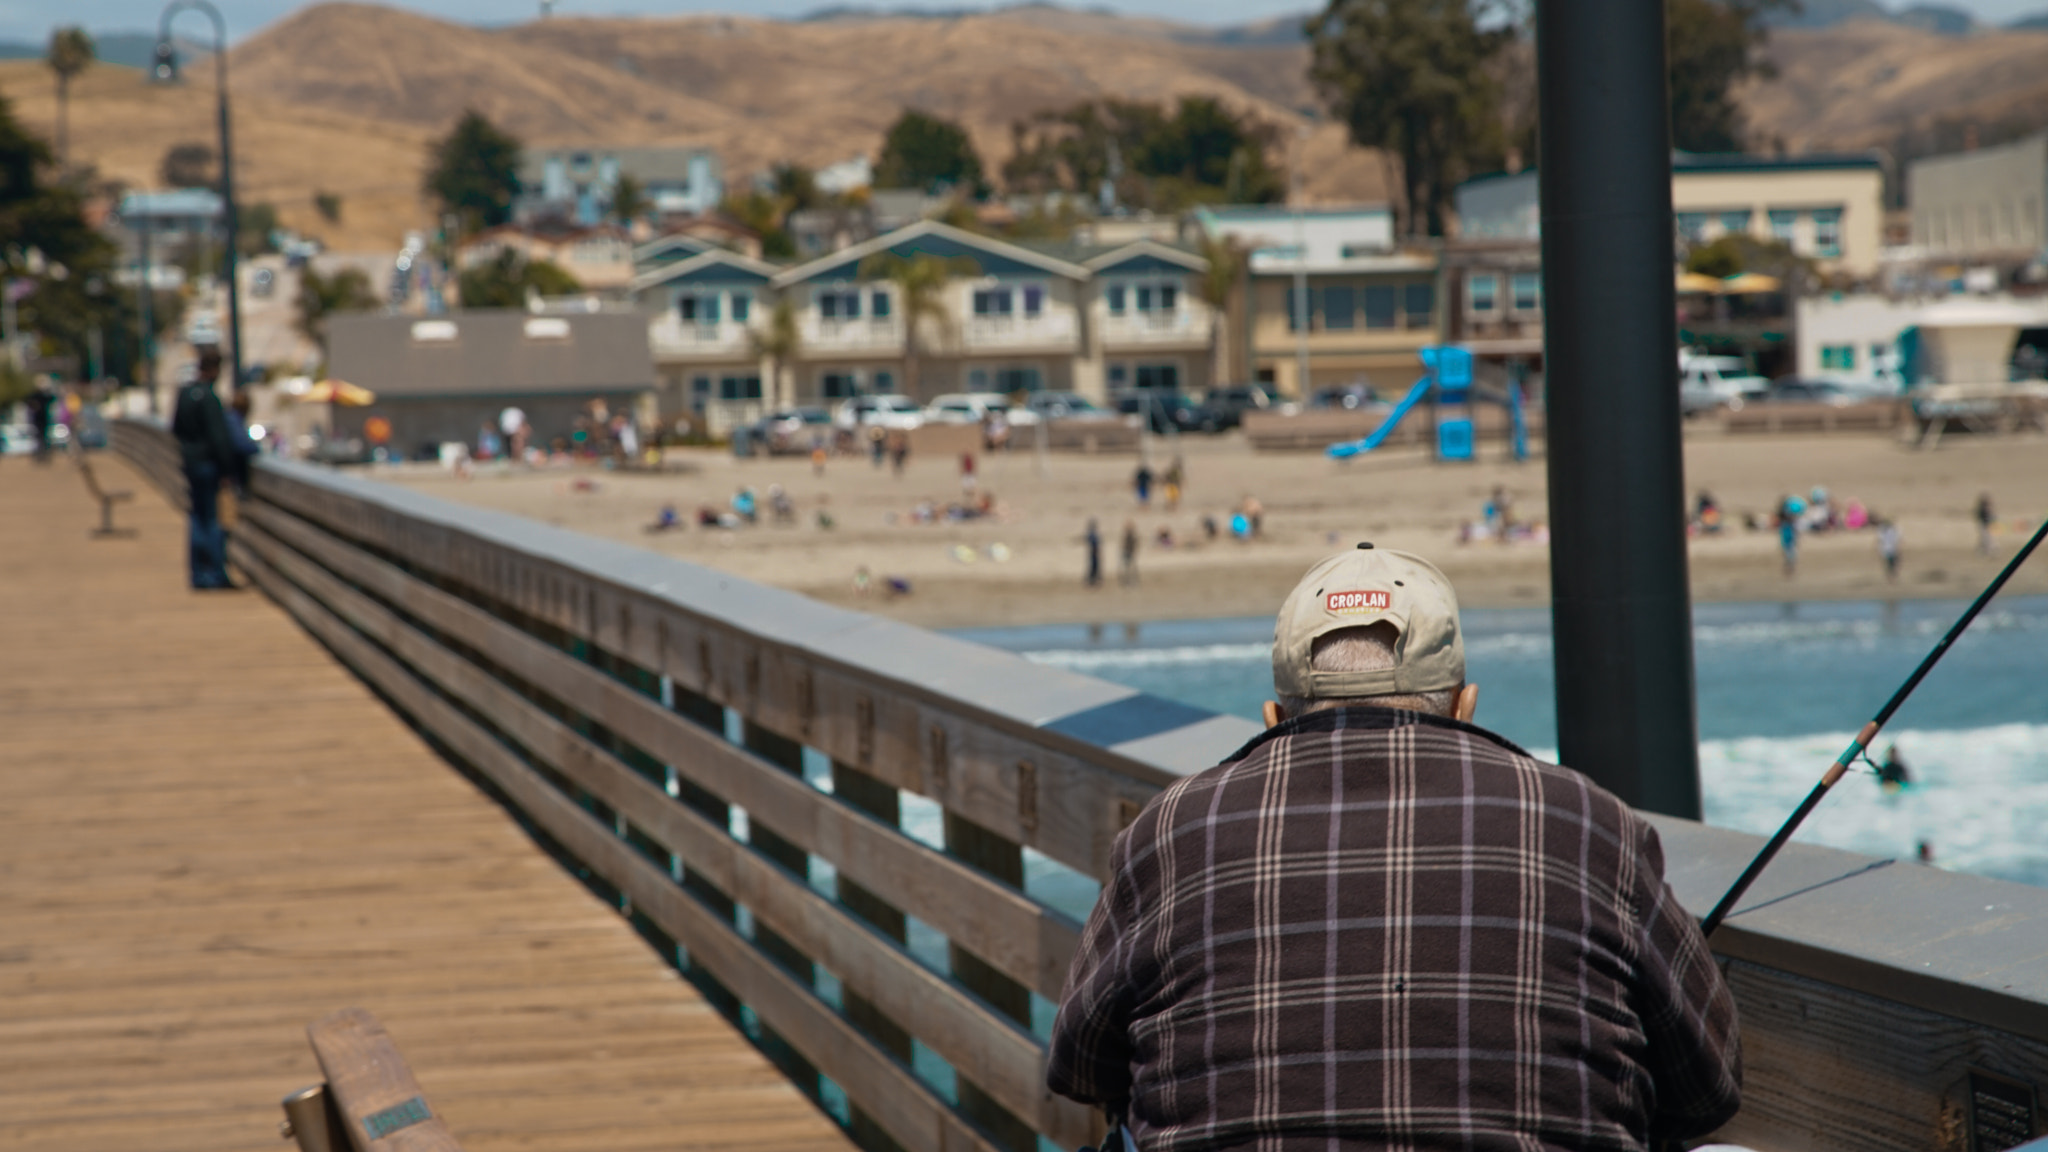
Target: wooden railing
631,706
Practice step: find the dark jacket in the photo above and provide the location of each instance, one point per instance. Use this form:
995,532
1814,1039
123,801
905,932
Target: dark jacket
1377,929
201,429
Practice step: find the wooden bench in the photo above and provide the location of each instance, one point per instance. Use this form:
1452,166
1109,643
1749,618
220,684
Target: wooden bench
369,1101
107,499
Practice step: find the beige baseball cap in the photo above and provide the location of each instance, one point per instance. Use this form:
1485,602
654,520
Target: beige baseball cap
1365,586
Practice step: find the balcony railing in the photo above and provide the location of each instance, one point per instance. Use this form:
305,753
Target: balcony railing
822,334
1176,327
1013,331
672,337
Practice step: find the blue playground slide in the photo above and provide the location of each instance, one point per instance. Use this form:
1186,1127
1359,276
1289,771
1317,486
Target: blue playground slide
1350,448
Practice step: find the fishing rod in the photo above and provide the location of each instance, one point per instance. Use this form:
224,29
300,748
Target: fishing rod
1863,739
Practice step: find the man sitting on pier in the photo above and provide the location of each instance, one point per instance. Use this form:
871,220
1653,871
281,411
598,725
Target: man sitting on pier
1377,925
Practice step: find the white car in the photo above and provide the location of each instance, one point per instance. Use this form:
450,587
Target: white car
1709,382
974,408
887,410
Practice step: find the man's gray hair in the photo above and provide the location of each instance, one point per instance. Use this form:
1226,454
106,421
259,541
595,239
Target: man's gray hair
1366,649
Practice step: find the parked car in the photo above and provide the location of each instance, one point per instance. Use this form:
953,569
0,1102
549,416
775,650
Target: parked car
886,409
1349,397
1808,390
1163,411
1067,406
792,429
974,408
1224,408
1709,382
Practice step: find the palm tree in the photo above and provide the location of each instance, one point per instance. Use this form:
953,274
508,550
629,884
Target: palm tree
777,342
1218,281
71,52
920,282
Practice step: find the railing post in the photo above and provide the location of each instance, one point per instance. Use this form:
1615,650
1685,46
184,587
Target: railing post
787,755
865,792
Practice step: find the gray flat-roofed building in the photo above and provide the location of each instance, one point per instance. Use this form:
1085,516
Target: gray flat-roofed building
443,378
1987,203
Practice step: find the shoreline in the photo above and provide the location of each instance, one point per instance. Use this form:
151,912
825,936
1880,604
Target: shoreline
1022,565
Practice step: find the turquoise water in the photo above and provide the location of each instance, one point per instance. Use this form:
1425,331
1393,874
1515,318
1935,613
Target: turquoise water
1782,688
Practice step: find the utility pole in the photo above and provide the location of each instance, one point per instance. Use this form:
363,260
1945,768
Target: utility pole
1301,319
145,310
1621,611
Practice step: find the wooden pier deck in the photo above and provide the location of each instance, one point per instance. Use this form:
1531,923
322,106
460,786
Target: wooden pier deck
211,834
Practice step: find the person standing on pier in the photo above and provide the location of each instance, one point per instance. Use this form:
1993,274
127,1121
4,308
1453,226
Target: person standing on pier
1377,925
206,450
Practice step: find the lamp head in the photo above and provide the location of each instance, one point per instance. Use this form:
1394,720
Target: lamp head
165,69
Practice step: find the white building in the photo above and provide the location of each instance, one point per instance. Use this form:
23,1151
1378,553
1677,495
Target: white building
578,184
1983,204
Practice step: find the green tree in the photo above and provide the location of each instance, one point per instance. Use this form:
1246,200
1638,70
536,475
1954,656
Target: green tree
71,52
189,165
328,205
1215,287
1412,77
473,172
347,290
777,342
796,185
629,199
46,240
925,152
920,281
763,213
506,280
1199,152
257,224
1714,44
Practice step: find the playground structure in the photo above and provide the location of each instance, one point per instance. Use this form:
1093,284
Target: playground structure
1446,384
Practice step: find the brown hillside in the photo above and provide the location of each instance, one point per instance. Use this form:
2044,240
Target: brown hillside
1860,84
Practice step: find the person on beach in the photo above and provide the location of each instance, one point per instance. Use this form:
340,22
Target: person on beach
206,450
1141,482
1127,560
1788,533
1985,519
899,450
1093,539
1176,477
1888,549
1379,926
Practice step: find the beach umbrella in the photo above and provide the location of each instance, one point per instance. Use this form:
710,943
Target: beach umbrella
340,392
1697,282
1748,283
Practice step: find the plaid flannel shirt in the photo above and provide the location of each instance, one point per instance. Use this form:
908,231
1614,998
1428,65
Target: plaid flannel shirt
1380,929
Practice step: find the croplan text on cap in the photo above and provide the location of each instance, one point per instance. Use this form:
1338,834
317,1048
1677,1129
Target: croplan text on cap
1366,586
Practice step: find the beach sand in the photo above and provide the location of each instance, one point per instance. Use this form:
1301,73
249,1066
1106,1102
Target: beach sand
1313,506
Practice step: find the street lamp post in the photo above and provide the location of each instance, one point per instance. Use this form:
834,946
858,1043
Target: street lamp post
166,72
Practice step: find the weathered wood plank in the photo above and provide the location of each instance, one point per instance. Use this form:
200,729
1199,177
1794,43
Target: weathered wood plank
373,1088
904,1106
1022,938
993,1052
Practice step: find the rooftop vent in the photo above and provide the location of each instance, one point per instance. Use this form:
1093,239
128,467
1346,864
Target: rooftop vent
547,328
433,331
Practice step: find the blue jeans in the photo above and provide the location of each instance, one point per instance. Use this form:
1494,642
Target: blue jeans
208,547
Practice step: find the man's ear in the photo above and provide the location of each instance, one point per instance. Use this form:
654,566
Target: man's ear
1274,713
1468,703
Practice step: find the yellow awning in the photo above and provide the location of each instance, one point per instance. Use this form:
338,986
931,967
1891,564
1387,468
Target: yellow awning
1750,282
339,392
1697,282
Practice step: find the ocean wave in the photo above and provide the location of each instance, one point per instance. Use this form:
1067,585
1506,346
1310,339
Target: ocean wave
1091,659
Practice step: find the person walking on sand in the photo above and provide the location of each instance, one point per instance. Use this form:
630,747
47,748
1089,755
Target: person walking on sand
1985,519
1788,534
899,450
1176,477
1093,539
1888,549
1141,482
1127,561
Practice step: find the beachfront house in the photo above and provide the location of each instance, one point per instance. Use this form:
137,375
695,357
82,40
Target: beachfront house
702,312
1332,288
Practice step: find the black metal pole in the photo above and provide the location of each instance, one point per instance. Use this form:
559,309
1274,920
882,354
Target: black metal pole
145,305
1620,602
232,263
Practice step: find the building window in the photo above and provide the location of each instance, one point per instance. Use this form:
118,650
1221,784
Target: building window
1484,292
739,387
1382,303
1782,222
742,306
1165,377
1692,226
1838,357
1339,309
1827,232
1528,292
837,385
1736,223
878,304
1115,296
885,381
977,379
1018,380
835,304
1168,297
701,385
1144,295
1119,375
1034,299
1419,302
993,302
698,309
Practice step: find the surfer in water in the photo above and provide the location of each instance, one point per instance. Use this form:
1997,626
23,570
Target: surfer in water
1892,775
